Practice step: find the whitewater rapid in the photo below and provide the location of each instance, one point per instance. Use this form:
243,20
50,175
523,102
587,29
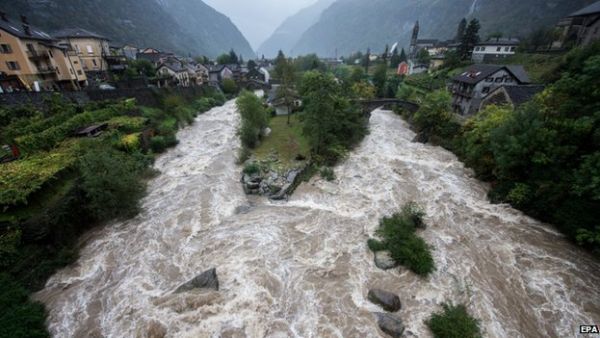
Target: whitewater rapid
302,268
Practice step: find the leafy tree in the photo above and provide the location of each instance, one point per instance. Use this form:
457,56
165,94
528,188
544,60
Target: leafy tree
109,180
254,118
203,60
380,79
309,62
224,59
331,124
358,75
233,58
286,73
363,90
423,56
229,86
435,117
137,68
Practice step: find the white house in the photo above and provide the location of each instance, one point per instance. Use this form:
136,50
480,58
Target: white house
494,49
173,73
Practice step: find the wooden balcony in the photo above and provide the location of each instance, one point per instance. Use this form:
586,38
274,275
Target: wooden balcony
38,55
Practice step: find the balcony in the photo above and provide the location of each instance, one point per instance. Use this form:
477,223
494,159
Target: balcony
37,55
46,70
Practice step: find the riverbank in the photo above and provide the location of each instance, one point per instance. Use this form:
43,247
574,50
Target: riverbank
64,185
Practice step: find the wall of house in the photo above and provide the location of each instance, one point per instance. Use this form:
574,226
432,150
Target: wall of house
27,71
470,105
592,32
91,52
480,53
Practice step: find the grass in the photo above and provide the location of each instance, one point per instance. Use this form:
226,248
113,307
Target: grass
454,322
398,235
285,141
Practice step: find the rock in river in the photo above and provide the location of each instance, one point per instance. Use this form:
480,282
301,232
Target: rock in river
389,301
384,260
390,324
206,280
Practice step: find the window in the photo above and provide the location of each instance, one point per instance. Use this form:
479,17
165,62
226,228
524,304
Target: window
90,50
79,72
498,49
57,70
506,49
512,49
489,79
508,80
13,65
486,90
5,49
499,79
76,62
94,62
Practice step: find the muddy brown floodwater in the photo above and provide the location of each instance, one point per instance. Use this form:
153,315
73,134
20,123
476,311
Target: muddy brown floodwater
302,268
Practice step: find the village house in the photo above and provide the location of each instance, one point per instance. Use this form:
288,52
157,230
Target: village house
580,28
278,103
153,55
494,49
32,60
474,84
218,73
513,96
173,73
202,73
91,48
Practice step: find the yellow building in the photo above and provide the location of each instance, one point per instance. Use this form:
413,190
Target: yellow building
31,60
90,47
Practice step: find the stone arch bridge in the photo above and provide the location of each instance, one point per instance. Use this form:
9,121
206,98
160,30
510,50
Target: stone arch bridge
369,105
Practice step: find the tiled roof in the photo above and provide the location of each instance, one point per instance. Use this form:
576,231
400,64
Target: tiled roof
591,9
17,28
477,73
77,33
521,94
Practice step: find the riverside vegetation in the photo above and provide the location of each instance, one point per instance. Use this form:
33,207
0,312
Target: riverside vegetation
63,186
541,157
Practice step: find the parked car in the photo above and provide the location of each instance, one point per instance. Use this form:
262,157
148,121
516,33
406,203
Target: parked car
106,86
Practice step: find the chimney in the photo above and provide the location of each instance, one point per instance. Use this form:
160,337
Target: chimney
26,28
3,16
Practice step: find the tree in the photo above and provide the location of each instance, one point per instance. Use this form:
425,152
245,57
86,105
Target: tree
224,59
403,57
460,32
285,71
358,75
423,56
470,39
363,90
367,60
386,52
233,58
331,123
395,59
229,86
379,79
203,60
251,65
254,118
434,117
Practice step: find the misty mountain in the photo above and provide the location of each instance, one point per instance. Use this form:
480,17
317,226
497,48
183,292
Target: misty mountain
182,26
352,25
289,32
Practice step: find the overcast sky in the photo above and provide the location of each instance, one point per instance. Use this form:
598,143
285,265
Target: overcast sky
257,19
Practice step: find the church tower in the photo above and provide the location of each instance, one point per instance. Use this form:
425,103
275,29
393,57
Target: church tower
413,41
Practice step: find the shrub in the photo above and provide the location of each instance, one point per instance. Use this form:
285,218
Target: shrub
19,317
454,322
398,236
158,144
251,168
328,174
110,182
229,86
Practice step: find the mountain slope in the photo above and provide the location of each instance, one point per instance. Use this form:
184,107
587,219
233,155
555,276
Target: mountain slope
351,25
289,32
162,24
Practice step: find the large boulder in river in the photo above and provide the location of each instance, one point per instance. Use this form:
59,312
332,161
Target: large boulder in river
282,194
206,280
388,301
390,324
384,260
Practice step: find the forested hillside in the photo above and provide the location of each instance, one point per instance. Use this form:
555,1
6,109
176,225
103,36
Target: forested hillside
351,25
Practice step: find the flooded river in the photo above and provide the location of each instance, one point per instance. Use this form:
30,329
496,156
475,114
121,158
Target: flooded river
302,268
